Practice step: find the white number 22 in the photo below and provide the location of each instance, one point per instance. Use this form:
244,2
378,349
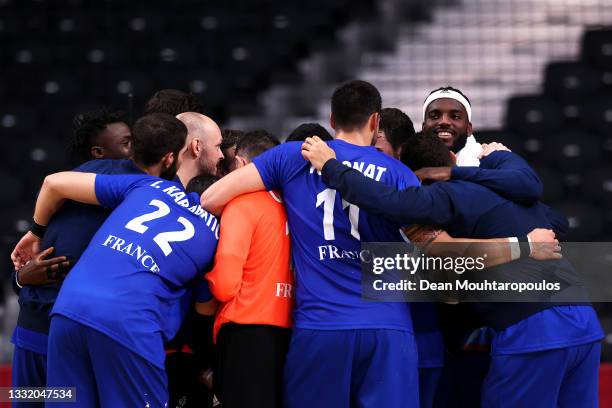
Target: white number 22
162,239
327,197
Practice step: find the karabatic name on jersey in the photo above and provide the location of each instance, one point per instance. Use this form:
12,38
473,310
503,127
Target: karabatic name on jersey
135,269
326,235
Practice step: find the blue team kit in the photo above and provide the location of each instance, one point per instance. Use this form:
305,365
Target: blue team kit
129,302
326,236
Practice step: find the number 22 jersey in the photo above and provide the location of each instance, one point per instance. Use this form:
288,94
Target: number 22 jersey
129,279
326,234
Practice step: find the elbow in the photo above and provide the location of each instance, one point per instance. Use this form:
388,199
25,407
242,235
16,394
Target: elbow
224,291
207,308
51,182
533,188
532,192
210,203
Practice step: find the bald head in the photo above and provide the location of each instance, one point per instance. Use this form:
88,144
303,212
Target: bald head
202,151
199,125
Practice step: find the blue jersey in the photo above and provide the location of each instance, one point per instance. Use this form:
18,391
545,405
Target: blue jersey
69,232
466,209
326,235
134,271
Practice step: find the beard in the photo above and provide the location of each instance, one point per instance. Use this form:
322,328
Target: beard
170,172
459,142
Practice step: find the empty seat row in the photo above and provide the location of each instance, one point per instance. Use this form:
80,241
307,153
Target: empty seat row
540,114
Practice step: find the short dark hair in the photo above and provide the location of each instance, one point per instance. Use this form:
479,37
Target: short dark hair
88,125
397,126
199,184
173,102
305,130
254,143
450,88
353,103
425,149
230,137
155,135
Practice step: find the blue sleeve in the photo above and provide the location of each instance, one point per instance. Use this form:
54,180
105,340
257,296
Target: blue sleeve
111,190
109,166
98,166
201,290
412,205
505,173
274,165
558,221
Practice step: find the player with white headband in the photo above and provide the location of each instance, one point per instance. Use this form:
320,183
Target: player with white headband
448,112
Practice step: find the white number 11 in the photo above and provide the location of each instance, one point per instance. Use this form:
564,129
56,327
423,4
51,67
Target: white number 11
327,197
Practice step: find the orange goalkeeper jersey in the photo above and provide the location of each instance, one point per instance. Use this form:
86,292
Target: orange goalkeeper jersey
251,276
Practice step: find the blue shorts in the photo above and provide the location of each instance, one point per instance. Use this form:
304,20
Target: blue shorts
29,370
565,377
104,373
351,368
429,378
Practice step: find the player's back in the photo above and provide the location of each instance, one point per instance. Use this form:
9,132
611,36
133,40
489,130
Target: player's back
254,233
133,272
326,235
69,232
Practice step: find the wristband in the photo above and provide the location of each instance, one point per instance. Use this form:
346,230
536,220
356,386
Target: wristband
37,229
520,247
525,245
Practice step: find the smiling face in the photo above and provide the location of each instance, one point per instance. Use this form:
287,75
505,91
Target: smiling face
448,119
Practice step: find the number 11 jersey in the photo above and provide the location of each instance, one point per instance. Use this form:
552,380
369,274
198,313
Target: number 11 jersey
129,279
326,234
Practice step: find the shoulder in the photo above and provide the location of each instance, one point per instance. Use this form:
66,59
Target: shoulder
253,202
462,190
399,170
109,166
289,148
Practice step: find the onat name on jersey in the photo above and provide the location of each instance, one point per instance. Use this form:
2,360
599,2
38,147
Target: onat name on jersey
370,170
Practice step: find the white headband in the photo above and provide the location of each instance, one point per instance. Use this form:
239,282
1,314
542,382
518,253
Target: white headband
450,94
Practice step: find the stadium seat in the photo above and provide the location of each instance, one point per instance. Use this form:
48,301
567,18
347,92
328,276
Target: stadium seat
209,86
512,141
121,83
12,190
102,53
597,114
586,220
60,87
572,151
598,186
66,22
597,48
571,80
16,221
174,51
27,54
533,115
553,184
18,118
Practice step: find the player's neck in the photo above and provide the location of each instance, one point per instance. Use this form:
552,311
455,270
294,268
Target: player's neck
355,137
186,172
154,170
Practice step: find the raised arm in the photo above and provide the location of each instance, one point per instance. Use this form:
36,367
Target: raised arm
435,242
237,228
241,181
414,205
507,174
55,190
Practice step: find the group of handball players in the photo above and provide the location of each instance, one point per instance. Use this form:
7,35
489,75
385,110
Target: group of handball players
181,265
